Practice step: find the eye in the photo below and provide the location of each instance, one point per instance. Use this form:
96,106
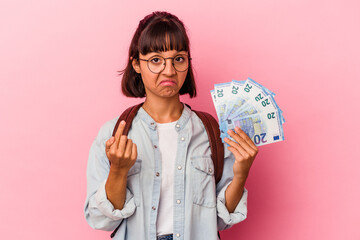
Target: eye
156,60
179,59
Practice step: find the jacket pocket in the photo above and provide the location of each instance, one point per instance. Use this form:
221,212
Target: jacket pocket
203,181
133,181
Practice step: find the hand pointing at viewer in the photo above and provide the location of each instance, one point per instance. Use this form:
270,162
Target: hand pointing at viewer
121,151
122,155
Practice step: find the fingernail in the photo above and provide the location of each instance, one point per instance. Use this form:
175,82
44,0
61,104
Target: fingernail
122,122
229,131
226,139
237,128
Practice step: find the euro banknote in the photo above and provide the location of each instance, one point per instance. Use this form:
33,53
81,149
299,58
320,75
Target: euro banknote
252,107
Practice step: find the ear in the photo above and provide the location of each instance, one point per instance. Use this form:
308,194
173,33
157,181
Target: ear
135,64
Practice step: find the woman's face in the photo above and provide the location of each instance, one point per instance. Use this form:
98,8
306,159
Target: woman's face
168,82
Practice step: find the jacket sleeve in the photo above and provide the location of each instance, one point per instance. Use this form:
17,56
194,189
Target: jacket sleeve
225,219
99,212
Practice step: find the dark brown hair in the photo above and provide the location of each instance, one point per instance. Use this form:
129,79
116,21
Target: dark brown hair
157,32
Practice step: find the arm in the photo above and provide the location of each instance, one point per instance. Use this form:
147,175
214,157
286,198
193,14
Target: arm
231,194
100,212
122,154
245,152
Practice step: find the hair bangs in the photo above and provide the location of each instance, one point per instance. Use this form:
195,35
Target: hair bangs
163,36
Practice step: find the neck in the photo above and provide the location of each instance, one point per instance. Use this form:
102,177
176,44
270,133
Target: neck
163,110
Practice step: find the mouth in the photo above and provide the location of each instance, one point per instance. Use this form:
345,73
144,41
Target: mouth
168,82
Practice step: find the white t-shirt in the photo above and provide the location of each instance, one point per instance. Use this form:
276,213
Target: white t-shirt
167,146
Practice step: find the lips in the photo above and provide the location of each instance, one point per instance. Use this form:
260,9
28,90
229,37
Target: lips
168,82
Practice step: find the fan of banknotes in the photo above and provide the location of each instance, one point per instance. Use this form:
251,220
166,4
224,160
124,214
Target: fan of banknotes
250,106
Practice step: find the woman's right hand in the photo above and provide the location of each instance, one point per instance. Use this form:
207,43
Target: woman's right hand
121,151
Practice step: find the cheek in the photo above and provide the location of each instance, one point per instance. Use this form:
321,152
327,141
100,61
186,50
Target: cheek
182,77
148,79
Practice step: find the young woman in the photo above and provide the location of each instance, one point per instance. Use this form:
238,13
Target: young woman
158,183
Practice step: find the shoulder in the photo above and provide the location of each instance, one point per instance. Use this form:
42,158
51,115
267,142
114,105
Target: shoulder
195,113
204,118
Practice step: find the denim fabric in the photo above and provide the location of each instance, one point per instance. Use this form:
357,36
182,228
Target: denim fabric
199,204
165,237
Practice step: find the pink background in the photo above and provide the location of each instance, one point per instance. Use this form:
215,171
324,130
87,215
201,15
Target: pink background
58,67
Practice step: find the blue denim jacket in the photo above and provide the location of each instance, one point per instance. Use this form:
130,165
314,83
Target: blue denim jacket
199,204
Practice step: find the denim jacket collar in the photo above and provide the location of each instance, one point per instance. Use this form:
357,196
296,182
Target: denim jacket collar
181,122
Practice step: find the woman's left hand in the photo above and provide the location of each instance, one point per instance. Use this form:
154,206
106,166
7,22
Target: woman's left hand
244,151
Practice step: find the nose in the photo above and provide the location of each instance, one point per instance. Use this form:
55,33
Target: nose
169,67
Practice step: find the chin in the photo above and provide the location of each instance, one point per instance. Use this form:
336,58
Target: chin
169,94
163,93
